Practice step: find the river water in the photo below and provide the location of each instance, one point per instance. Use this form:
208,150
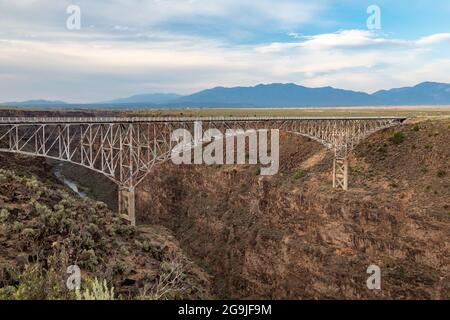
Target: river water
57,171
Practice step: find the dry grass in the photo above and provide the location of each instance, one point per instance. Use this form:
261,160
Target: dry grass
306,112
406,111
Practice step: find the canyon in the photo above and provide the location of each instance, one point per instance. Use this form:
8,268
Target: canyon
291,236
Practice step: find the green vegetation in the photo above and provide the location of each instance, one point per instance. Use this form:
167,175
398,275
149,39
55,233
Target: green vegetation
169,284
299,174
95,290
398,138
4,214
45,229
441,173
36,281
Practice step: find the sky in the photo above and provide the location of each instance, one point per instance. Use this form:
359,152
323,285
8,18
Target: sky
127,47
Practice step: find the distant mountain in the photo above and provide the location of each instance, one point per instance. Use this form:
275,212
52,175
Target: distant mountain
271,95
292,95
279,95
35,103
155,98
424,93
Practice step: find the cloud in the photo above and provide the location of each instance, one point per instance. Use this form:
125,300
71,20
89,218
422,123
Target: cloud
231,19
434,39
344,39
348,58
182,46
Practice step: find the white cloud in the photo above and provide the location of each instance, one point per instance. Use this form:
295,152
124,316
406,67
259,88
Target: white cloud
434,39
351,59
341,39
138,47
232,17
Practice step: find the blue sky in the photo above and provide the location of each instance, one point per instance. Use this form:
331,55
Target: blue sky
127,47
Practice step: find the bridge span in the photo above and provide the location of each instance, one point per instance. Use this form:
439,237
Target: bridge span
125,149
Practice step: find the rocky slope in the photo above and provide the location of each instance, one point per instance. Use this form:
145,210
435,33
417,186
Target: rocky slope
44,228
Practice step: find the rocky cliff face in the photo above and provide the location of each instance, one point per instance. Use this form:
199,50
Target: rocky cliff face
292,236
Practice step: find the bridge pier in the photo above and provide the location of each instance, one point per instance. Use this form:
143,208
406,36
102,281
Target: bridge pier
340,173
126,204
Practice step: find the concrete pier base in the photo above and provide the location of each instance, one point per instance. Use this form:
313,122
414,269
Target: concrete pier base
126,204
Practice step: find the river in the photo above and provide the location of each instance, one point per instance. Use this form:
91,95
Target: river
57,171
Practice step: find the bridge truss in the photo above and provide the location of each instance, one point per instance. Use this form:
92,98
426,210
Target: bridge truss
126,149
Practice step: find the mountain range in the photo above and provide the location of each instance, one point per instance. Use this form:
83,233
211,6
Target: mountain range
273,95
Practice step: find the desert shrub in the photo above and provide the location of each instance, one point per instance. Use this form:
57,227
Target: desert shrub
38,283
88,259
416,128
355,169
441,173
32,283
230,170
65,203
9,275
382,150
58,207
124,229
101,205
95,290
7,293
147,246
299,174
169,283
94,230
398,138
32,183
4,215
120,268
154,249
17,227
41,210
28,234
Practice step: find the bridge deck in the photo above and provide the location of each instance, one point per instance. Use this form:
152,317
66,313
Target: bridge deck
48,120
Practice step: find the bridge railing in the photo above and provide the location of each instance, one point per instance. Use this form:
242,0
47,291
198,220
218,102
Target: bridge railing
44,120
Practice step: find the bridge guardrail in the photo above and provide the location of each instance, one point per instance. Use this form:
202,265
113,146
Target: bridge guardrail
43,120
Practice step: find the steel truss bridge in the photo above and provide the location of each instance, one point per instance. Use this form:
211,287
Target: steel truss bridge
126,149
